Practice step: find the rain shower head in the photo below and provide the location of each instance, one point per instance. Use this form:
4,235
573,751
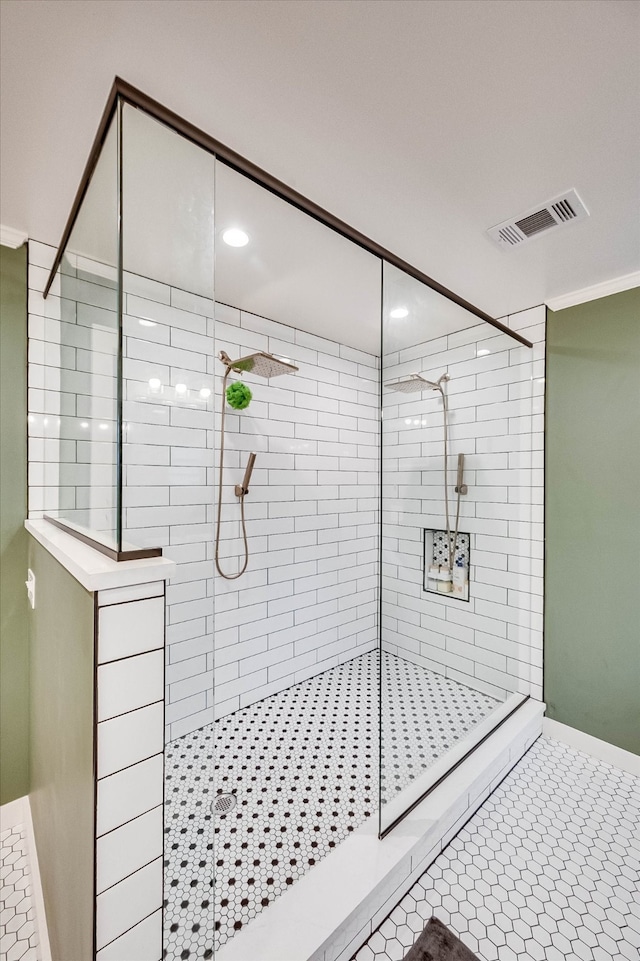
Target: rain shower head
416,382
261,363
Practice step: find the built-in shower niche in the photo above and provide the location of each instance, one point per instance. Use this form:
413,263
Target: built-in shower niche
436,576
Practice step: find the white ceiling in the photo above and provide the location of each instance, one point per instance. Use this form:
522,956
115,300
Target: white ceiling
293,270
420,123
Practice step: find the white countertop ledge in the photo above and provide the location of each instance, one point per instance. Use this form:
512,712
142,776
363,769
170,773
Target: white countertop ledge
96,571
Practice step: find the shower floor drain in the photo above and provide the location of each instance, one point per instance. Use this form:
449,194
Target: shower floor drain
223,804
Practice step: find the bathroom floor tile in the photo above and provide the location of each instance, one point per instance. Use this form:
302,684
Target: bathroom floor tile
18,938
548,869
302,767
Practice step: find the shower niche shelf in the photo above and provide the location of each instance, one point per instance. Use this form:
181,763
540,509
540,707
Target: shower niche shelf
435,560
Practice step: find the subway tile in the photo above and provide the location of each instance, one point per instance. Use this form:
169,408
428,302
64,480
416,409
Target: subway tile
129,793
187,667
132,628
130,738
187,707
121,907
190,610
193,722
128,848
321,344
143,942
172,316
189,686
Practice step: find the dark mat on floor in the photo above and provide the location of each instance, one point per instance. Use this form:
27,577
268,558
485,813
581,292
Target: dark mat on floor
438,943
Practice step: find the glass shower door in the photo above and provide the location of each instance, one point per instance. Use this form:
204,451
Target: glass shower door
456,536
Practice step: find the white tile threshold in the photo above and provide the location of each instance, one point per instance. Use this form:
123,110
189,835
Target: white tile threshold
395,807
331,911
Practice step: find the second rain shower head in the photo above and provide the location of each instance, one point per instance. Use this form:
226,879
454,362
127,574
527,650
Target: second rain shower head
416,382
260,363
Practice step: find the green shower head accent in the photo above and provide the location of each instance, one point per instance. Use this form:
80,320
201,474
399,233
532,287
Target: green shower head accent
238,395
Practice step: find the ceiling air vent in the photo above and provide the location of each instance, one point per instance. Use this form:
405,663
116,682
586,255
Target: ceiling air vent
555,213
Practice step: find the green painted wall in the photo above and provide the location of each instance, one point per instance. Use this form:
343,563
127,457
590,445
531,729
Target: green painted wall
14,644
592,587
62,753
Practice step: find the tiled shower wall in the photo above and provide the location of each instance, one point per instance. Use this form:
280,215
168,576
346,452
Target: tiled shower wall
496,402
307,600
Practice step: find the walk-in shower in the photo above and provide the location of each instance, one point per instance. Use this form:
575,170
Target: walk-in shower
262,365
320,684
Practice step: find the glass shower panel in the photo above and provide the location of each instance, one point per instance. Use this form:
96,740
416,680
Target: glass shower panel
296,659
73,383
456,545
167,368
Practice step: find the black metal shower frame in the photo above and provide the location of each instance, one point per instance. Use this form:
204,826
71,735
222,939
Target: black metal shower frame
125,92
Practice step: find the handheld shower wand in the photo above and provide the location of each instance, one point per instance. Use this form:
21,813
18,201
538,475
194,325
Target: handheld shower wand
242,489
461,487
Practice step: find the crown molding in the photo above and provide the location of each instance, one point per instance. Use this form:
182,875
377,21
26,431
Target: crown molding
9,237
605,289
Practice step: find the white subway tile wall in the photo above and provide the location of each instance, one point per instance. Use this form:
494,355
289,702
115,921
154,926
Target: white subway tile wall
496,404
129,799
72,393
168,476
308,599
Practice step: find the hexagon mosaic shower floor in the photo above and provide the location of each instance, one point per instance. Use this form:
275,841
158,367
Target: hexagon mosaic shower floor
303,765
548,869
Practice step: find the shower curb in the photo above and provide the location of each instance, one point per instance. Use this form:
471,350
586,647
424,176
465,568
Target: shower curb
331,912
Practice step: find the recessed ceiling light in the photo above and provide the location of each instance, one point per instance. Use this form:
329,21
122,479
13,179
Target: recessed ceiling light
483,352
235,237
147,323
398,313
